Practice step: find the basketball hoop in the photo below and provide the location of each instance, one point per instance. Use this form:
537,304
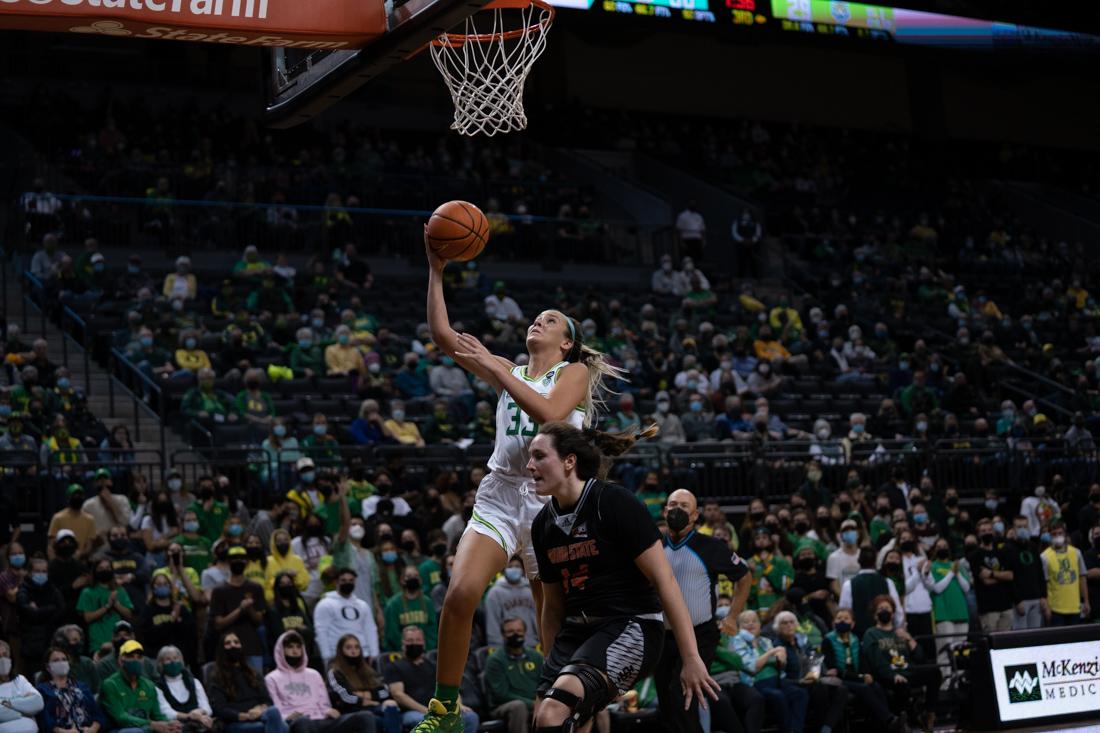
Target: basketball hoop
486,67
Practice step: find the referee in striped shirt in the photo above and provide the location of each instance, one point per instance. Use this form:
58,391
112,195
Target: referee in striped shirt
697,560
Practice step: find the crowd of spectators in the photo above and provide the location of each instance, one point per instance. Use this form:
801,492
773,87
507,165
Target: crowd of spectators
901,335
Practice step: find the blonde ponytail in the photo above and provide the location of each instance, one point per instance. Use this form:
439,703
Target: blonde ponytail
599,369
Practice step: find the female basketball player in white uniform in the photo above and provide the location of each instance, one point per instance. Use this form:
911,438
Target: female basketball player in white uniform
561,381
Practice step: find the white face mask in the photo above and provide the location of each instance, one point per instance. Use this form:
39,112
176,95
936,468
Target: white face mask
59,669
357,532
5,666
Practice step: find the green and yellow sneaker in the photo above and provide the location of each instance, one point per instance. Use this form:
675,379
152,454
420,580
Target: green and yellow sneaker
440,720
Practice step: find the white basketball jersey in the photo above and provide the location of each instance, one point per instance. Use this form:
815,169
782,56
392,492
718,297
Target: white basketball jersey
515,428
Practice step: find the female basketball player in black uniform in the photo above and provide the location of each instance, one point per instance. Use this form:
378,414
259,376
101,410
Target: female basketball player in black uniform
606,581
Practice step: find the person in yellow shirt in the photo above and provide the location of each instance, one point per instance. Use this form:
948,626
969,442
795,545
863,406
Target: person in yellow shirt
281,560
343,357
776,316
189,357
1067,588
403,431
767,348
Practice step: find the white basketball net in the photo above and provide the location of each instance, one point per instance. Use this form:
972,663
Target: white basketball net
485,69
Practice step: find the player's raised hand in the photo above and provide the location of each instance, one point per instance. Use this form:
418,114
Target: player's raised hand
469,347
434,261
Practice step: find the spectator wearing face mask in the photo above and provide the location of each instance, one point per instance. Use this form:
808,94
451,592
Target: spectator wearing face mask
698,422
512,674
669,424
510,597
663,280
342,612
843,562
948,588
861,589
129,696
403,431
410,608
772,573
1029,585
299,693
321,444
993,577
237,606
1039,509
1067,580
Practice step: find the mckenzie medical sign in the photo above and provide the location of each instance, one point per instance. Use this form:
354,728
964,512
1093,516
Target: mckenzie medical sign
1046,680
308,24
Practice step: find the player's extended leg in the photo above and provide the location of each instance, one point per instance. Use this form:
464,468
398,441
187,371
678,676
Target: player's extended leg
477,560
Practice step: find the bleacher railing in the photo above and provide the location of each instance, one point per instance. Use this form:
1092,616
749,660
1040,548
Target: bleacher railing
732,472
183,225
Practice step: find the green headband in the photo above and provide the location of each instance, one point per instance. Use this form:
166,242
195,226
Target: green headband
572,328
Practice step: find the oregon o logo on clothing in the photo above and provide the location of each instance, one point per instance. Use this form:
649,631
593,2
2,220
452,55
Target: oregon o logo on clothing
1023,683
352,610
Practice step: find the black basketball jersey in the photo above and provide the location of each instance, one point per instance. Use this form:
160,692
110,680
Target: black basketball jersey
591,550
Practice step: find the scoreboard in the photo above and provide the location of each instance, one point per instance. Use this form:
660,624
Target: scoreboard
846,20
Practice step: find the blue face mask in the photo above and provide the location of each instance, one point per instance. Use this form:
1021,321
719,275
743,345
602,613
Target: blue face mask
920,517
746,635
64,383
5,410
858,428
696,406
721,612
447,361
190,526
279,430
162,591
903,365
318,323
344,339
999,527
146,340
304,343
17,561
98,267
320,429
308,477
133,269
1044,537
235,530
389,557
849,536
513,575
1023,535
39,578
190,344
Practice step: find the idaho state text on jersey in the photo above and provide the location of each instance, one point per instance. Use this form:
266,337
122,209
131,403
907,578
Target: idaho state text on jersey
575,551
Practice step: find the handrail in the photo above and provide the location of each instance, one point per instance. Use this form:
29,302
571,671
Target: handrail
131,369
67,312
368,210
1040,378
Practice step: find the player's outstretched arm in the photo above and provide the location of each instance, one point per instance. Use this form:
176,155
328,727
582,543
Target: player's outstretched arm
439,323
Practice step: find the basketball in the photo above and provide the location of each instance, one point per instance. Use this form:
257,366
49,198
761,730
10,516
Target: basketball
458,231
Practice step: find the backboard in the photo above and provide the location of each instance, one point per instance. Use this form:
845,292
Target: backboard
302,82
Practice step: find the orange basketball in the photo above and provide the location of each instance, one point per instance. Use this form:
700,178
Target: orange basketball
458,231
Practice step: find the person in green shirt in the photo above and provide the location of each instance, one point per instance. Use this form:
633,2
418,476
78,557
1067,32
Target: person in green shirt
306,357
772,573
511,676
431,568
102,605
196,547
410,608
801,537
949,588
320,443
651,494
252,403
893,657
130,698
210,512
880,523
206,403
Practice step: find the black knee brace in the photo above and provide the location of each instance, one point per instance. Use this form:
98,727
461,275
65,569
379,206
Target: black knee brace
597,695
